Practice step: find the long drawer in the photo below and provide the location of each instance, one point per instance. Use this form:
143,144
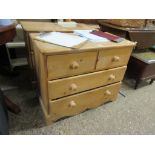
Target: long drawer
75,104
113,57
64,87
66,65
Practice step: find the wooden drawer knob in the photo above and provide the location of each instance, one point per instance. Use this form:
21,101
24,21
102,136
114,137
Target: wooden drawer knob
107,92
116,58
73,87
112,77
74,65
72,104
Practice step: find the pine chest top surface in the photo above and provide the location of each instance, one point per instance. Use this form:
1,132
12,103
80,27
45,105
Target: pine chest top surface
49,26
48,48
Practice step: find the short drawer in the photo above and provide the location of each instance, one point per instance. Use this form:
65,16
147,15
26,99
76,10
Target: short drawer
64,87
110,58
59,66
75,104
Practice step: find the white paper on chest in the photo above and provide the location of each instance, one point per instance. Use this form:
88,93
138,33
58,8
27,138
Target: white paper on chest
61,39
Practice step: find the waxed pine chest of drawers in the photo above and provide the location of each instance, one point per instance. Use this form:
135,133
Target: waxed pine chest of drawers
37,27
74,80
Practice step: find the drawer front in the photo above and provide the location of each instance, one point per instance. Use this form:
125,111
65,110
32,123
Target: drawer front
70,64
110,58
63,87
75,104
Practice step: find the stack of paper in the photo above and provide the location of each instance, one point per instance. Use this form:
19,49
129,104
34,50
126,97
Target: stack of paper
61,39
89,36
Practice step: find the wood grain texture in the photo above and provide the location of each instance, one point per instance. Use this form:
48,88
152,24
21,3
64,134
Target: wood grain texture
36,61
49,49
75,104
28,49
42,77
76,84
31,27
46,115
49,26
70,64
110,58
74,80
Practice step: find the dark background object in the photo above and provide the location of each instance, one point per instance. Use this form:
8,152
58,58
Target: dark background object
144,36
144,39
140,70
7,33
3,56
4,127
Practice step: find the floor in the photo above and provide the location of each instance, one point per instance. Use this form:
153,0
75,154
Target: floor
133,114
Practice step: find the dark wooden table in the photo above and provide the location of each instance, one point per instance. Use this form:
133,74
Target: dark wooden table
145,37
140,70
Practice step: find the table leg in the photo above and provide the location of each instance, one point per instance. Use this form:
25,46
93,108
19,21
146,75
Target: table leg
137,83
151,81
12,106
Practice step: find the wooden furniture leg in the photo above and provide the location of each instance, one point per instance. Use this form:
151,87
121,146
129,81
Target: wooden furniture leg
137,83
151,81
12,107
